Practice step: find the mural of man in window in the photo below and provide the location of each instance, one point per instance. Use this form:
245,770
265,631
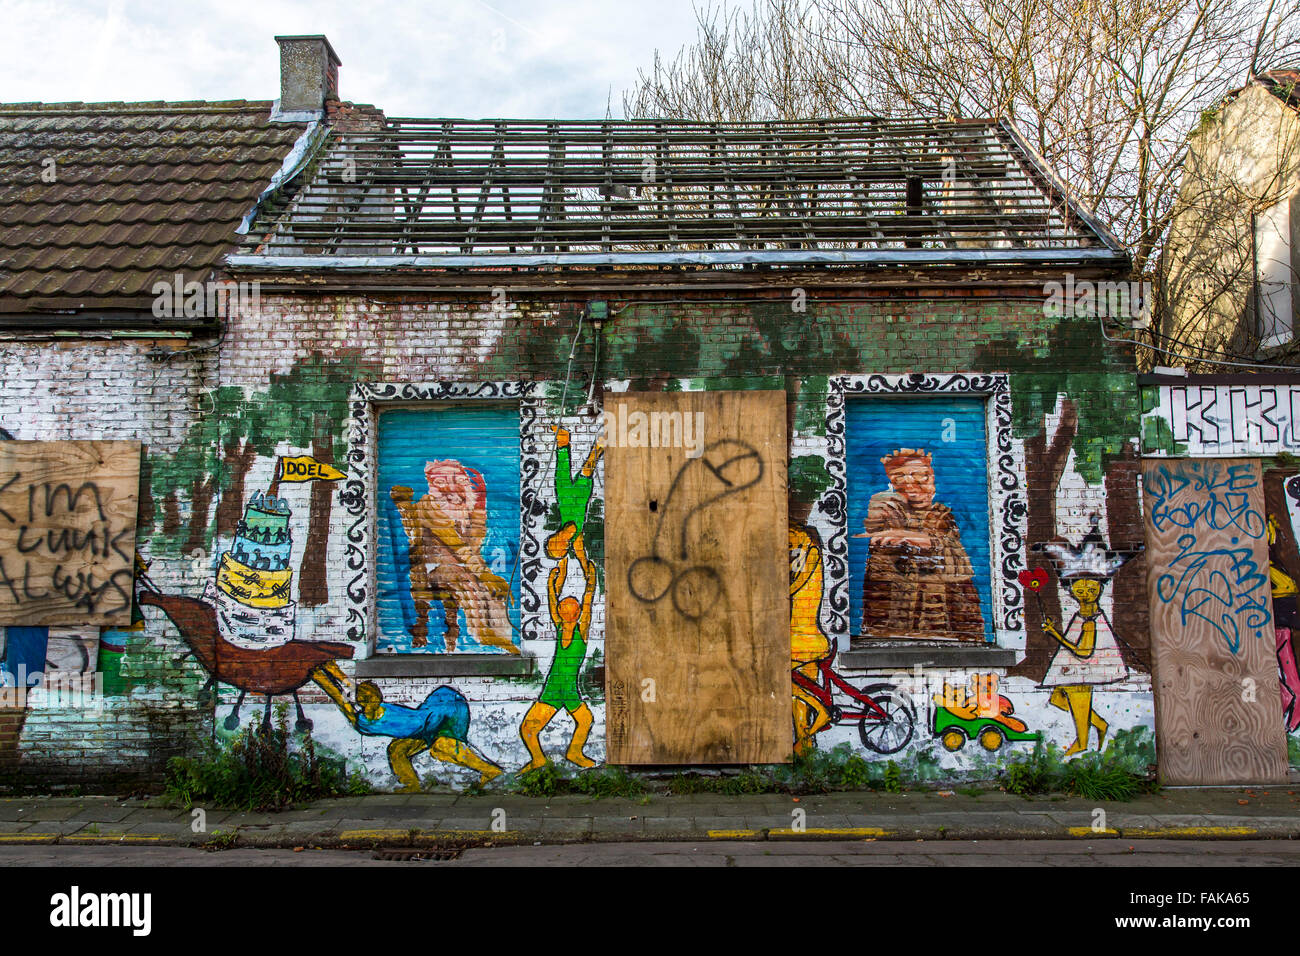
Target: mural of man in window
918,581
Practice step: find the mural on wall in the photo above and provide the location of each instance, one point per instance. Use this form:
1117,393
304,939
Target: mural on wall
977,712
922,556
1088,654
440,725
1282,501
449,549
242,631
571,617
808,642
918,581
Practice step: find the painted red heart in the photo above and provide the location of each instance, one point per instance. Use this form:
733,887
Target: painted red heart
1033,578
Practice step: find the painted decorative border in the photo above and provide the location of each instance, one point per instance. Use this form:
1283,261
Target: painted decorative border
358,493
1008,507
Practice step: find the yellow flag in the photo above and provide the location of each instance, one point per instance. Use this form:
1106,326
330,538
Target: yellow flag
306,468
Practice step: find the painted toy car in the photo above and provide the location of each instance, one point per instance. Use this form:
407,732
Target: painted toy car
954,731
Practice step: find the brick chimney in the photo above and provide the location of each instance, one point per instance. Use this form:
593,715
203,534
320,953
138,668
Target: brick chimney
309,74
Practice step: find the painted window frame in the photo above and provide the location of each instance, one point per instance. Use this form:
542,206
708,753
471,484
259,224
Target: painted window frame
1008,505
359,497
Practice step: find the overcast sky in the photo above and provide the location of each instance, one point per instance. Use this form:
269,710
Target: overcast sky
459,58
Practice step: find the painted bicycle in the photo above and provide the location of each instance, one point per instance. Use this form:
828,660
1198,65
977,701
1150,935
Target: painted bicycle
885,715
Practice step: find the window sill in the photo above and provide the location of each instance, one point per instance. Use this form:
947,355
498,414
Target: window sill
447,665
866,657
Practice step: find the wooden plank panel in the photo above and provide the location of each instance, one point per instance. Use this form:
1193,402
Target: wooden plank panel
67,531
698,579
1218,714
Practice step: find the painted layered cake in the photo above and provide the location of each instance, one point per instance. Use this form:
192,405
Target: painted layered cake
251,593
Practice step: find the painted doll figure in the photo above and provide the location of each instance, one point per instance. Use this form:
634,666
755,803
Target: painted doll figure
447,529
919,581
1089,654
808,642
440,725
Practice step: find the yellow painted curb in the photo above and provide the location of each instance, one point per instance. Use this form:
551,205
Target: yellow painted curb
1192,832
1090,832
112,838
408,836
469,835
734,834
375,834
849,833
28,837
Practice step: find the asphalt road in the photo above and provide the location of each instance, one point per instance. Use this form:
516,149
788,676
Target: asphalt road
1019,853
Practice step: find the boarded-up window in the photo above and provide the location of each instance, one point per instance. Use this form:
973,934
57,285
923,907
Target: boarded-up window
918,519
67,531
447,528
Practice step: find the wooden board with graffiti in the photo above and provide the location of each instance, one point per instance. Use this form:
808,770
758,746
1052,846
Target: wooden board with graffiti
67,531
698,626
1217,694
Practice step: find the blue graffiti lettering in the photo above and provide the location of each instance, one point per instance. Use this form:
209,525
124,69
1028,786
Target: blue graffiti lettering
1218,586
1222,497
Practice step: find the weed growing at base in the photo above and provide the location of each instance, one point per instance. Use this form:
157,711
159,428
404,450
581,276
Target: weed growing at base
259,771
1112,775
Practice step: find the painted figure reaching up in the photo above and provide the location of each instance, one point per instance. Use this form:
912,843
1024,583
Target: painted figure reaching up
439,725
572,619
572,624
447,529
1089,653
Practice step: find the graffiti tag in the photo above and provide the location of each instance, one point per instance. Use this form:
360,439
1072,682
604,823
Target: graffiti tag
60,536
1218,586
1206,493
1219,583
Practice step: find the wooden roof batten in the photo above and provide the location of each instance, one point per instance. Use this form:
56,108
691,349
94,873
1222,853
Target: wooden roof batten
675,193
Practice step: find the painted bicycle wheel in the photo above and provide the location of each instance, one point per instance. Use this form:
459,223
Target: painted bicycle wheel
894,732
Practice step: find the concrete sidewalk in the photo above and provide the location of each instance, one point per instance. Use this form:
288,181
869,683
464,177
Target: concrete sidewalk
396,820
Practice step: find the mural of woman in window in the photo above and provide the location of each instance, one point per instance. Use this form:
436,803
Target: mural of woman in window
918,581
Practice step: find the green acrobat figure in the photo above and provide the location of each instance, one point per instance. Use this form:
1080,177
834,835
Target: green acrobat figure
572,619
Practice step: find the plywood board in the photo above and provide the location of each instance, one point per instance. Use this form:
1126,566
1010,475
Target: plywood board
698,615
1218,713
67,532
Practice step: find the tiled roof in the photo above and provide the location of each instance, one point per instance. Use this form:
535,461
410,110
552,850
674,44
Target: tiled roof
140,192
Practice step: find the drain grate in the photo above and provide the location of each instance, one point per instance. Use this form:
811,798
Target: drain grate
421,855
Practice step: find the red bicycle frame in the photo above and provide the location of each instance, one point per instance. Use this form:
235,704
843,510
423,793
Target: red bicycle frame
825,693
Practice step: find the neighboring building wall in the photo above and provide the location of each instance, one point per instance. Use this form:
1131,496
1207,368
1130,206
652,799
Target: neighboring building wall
1242,160
109,390
302,376
1247,417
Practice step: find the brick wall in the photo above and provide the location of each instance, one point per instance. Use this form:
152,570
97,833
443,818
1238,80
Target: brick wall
282,385
112,390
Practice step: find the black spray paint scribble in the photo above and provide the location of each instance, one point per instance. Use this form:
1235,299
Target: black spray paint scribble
24,577
732,467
